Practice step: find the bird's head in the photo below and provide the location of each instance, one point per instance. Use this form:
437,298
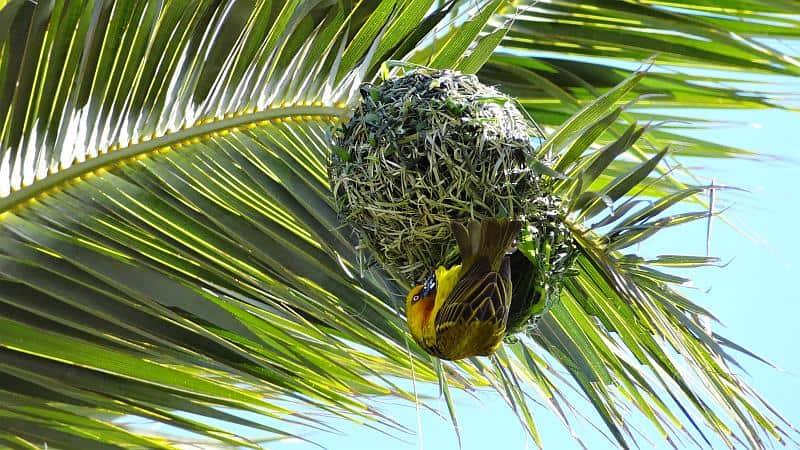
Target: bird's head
420,304
424,301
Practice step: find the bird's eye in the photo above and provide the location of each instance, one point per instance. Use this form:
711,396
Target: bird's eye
415,298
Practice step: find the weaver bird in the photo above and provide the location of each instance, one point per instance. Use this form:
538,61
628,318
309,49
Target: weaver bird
462,311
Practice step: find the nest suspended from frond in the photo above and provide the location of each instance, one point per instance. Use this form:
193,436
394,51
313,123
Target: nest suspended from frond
423,150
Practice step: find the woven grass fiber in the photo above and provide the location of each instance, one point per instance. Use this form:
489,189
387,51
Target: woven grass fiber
423,150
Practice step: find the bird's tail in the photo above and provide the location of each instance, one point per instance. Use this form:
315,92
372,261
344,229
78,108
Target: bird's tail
489,239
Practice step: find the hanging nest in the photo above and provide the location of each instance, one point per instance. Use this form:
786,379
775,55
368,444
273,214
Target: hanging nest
432,147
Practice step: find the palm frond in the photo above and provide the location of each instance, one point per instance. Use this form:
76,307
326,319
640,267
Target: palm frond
558,56
183,255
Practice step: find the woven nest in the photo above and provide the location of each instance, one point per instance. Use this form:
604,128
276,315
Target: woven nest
423,150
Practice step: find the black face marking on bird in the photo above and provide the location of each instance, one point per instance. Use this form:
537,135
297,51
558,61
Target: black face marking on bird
426,290
429,286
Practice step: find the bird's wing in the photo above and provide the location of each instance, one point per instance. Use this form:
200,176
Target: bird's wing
479,295
486,240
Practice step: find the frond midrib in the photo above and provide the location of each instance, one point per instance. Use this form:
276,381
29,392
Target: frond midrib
201,129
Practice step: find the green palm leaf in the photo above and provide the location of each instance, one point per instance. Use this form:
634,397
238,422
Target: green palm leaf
169,250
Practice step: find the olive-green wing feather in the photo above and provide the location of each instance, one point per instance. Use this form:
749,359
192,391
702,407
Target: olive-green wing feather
485,299
483,291
478,295
486,240
473,319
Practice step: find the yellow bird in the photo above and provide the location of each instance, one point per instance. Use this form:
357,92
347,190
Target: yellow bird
462,311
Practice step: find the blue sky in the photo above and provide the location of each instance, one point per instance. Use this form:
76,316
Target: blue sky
754,297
